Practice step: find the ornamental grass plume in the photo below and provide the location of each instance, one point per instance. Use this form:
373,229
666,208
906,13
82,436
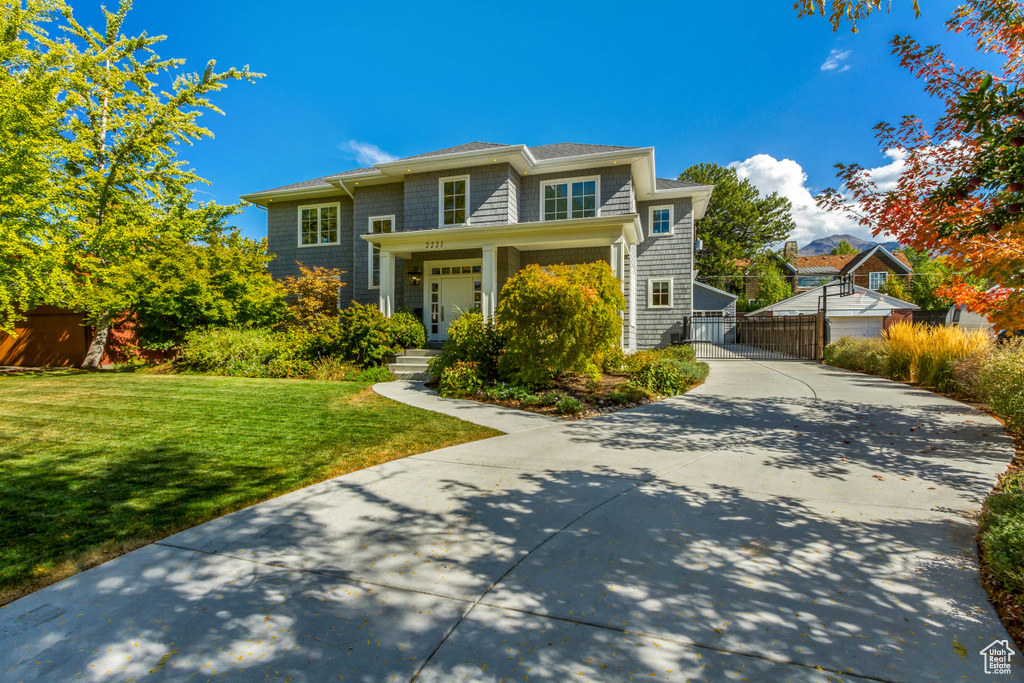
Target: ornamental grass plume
926,355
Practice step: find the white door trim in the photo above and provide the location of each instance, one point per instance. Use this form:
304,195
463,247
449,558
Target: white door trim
429,276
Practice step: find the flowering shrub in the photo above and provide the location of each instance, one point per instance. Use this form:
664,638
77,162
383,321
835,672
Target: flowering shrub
470,340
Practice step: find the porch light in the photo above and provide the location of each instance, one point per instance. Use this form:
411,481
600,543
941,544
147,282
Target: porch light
415,276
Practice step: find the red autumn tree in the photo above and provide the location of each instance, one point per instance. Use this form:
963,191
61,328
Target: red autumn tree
962,187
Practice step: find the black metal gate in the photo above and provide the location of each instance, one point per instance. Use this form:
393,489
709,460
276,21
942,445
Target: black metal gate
758,337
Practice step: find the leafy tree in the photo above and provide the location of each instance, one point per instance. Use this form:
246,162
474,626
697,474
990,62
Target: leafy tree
772,286
559,319
112,181
739,223
895,287
33,262
962,189
843,248
180,285
839,11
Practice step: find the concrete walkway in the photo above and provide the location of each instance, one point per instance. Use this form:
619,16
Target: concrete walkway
784,521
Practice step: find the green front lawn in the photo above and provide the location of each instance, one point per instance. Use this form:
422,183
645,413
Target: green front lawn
93,465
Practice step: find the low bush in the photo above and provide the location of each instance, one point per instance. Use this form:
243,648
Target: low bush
568,405
1001,383
459,380
365,335
407,331
613,360
670,377
470,340
507,392
626,393
334,369
861,355
639,361
229,351
683,352
1001,537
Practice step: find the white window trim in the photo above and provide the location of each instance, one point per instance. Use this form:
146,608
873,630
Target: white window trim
369,262
650,292
570,181
440,200
298,230
671,220
877,272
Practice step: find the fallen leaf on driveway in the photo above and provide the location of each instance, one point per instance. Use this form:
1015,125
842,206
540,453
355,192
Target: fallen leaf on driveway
879,477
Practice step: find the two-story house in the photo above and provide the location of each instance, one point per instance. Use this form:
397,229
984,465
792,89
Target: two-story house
440,233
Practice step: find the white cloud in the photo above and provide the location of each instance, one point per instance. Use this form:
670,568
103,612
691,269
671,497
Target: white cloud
835,61
365,153
787,177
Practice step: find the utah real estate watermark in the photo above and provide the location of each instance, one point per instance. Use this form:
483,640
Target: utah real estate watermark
997,656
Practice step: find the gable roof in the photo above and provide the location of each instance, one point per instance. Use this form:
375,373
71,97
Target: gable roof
708,298
882,253
561,150
668,184
863,302
468,147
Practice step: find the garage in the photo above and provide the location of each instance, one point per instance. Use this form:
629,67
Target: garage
861,313
867,326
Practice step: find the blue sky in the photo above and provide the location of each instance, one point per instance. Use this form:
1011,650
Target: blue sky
744,82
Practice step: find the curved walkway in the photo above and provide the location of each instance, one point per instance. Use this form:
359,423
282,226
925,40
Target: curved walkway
784,521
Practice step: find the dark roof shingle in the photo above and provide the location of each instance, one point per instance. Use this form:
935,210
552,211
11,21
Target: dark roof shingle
468,147
572,149
667,184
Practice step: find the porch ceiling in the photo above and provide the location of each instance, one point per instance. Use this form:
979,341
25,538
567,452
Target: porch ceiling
599,231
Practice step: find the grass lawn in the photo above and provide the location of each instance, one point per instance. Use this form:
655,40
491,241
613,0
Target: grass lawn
95,464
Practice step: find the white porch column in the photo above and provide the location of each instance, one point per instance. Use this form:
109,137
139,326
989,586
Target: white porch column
387,283
618,263
489,285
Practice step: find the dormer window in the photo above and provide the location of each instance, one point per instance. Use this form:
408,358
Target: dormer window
570,198
454,195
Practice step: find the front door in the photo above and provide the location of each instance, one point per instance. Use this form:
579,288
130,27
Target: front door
456,298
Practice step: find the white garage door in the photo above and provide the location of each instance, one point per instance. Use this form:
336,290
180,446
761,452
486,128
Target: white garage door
856,327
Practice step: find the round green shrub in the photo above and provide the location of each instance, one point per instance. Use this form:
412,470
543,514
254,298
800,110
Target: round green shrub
470,340
407,331
459,380
365,336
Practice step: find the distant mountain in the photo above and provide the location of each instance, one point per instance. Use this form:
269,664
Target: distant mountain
824,245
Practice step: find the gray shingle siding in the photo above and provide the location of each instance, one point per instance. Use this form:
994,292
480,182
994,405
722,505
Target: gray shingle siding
374,200
554,257
662,257
488,196
283,241
616,191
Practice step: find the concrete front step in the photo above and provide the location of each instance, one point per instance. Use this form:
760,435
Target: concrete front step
411,364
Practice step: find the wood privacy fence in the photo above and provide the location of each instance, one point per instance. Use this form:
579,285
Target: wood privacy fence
754,337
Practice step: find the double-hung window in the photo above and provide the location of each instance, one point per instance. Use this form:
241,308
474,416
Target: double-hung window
659,293
661,220
454,200
571,198
876,280
378,225
318,225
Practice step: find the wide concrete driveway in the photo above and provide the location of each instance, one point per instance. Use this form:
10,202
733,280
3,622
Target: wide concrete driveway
783,522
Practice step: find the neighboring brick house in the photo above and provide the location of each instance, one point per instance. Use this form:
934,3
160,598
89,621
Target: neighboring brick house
870,268
442,232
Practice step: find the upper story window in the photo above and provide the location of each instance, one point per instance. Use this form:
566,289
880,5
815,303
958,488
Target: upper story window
661,220
454,196
570,198
378,225
318,224
876,280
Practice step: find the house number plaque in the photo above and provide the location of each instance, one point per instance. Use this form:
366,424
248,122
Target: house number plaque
435,245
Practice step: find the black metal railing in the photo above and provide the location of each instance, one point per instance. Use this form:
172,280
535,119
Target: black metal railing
752,337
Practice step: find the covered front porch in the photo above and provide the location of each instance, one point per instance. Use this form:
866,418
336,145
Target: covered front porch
441,273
